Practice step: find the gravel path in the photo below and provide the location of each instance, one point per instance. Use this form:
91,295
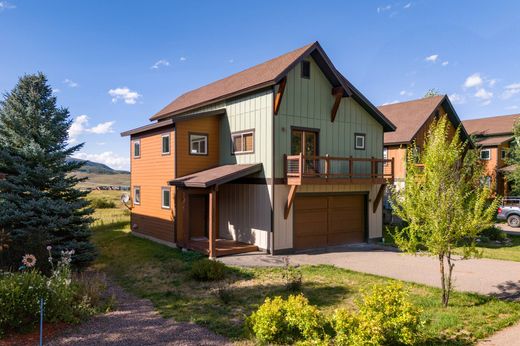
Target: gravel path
135,322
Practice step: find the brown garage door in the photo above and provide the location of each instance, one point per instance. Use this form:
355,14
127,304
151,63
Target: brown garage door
321,221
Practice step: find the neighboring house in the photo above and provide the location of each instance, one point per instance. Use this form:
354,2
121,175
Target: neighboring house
494,136
282,156
413,119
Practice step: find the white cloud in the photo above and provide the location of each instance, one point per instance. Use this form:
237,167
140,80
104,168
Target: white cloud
183,58
55,90
4,5
128,96
445,63
160,63
473,81
405,93
432,58
109,158
71,83
390,103
408,5
384,8
79,126
511,90
512,107
492,82
457,98
484,95
231,61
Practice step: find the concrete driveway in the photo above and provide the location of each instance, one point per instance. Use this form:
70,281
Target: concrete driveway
484,276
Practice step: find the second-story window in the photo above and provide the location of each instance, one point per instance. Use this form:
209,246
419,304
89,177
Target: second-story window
165,143
503,154
359,141
198,144
243,142
306,69
485,154
385,155
137,148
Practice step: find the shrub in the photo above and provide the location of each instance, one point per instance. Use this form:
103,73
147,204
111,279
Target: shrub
385,317
102,203
493,233
208,270
288,321
292,276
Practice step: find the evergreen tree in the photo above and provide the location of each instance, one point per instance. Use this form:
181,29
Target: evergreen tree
39,203
513,159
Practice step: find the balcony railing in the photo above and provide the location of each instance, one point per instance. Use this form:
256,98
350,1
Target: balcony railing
302,169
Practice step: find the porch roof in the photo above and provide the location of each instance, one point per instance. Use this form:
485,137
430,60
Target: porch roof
216,176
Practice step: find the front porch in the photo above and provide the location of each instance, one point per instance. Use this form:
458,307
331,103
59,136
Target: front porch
198,224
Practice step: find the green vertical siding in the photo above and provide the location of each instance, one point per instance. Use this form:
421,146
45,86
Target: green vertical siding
307,103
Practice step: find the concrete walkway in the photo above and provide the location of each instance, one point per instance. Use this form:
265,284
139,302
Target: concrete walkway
484,276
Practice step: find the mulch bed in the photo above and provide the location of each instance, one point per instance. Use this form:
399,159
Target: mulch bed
32,338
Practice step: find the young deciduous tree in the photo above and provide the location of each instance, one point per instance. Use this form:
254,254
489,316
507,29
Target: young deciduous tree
39,203
444,205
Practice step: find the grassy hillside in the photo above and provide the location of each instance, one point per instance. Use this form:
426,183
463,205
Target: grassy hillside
96,179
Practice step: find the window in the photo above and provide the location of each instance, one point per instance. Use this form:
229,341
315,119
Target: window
359,143
137,195
137,149
503,154
165,143
306,69
485,154
165,196
243,142
385,153
416,153
486,181
198,144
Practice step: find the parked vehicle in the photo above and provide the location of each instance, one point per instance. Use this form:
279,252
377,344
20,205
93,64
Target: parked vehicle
510,211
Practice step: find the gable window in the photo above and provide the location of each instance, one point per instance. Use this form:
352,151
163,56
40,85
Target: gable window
165,140
306,69
165,197
137,195
198,144
243,142
137,148
485,154
503,154
359,141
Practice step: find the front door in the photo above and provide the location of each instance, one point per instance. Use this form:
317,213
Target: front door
306,142
198,216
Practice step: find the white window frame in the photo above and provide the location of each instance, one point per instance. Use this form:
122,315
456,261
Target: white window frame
487,151
385,155
134,142
359,147
136,188
163,205
242,134
166,135
205,146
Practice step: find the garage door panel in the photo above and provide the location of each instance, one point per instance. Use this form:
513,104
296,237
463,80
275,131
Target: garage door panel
321,221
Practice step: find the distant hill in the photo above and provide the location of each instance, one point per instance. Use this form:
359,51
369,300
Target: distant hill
91,167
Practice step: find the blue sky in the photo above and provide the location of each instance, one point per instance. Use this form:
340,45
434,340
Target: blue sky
115,63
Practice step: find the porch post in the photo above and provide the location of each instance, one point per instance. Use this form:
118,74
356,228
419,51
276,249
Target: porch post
212,223
185,218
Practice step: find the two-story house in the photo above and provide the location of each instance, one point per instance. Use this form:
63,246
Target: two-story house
285,155
494,136
413,120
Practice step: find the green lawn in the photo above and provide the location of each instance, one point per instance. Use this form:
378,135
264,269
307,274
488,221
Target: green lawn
161,274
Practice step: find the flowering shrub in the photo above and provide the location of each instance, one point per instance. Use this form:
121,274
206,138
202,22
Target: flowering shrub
288,321
20,295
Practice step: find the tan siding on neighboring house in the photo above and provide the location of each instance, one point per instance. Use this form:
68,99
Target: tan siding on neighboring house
152,171
398,153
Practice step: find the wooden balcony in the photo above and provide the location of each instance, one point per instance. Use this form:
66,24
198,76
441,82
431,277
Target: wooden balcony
301,169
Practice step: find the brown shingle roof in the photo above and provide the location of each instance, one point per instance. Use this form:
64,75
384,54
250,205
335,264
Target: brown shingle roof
494,140
408,117
216,176
502,124
251,78
264,75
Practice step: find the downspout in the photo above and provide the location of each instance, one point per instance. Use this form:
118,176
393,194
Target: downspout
273,172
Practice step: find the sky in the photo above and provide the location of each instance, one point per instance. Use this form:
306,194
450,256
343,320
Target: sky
114,64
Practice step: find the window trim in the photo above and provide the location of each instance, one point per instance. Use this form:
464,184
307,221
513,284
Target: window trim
136,187
242,133
134,142
362,135
189,143
304,62
489,154
165,188
169,144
